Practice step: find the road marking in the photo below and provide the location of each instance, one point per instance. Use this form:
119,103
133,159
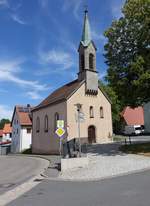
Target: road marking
15,193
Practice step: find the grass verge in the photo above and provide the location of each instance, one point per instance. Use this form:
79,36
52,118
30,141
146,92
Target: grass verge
118,138
142,149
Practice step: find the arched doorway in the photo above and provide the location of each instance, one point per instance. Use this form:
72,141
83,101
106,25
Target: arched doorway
91,134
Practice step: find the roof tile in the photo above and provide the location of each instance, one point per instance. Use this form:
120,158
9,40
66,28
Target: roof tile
23,113
133,116
60,94
7,128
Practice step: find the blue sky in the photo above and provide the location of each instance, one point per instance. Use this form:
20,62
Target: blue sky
38,45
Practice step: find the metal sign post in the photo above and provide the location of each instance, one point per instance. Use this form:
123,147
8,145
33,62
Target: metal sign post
79,133
60,144
60,131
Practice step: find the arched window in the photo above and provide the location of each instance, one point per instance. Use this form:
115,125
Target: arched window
91,61
91,112
101,112
82,62
37,124
46,123
55,120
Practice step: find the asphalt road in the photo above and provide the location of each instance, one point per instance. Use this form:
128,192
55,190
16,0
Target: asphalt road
15,170
132,190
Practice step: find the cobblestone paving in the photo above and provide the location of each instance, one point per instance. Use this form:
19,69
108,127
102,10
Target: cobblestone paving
107,161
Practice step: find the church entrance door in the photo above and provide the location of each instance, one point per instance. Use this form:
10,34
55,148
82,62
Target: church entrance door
91,134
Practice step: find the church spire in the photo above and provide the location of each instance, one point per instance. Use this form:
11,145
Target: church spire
86,34
87,60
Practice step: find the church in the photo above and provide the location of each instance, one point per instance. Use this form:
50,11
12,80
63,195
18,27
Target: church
62,105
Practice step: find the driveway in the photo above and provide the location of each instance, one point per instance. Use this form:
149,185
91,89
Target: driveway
105,161
14,170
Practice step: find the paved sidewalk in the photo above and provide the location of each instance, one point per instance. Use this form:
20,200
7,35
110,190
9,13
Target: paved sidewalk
107,161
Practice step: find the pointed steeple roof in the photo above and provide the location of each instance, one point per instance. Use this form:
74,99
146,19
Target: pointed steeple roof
86,35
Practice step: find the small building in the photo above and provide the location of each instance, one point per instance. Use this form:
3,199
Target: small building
132,116
61,105
147,117
7,132
21,128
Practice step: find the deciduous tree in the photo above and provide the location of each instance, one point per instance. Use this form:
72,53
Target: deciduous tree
3,121
128,53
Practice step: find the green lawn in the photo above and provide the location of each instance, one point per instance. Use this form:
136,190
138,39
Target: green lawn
118,138
143,148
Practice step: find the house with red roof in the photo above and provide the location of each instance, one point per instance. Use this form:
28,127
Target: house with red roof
133,116
21,128
7,132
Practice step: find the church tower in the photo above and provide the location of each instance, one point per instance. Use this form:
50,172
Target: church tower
87,59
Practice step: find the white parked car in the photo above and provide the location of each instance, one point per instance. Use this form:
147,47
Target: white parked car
134,130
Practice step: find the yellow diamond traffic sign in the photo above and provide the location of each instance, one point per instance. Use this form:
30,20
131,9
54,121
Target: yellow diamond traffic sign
60,132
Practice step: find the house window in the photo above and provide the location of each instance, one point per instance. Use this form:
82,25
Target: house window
91,61
28,130
101,112
82,62
37,124
46,123
91,112
55,121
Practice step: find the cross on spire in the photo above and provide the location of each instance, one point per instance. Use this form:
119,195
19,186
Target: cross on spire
86,8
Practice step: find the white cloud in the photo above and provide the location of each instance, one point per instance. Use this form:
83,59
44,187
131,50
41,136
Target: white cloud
9,71
13,11
102,74
58,58
73,5
70,45
5,112
116,8
4,3
76,10
11,66
45,71
17,19
98,36
34,95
